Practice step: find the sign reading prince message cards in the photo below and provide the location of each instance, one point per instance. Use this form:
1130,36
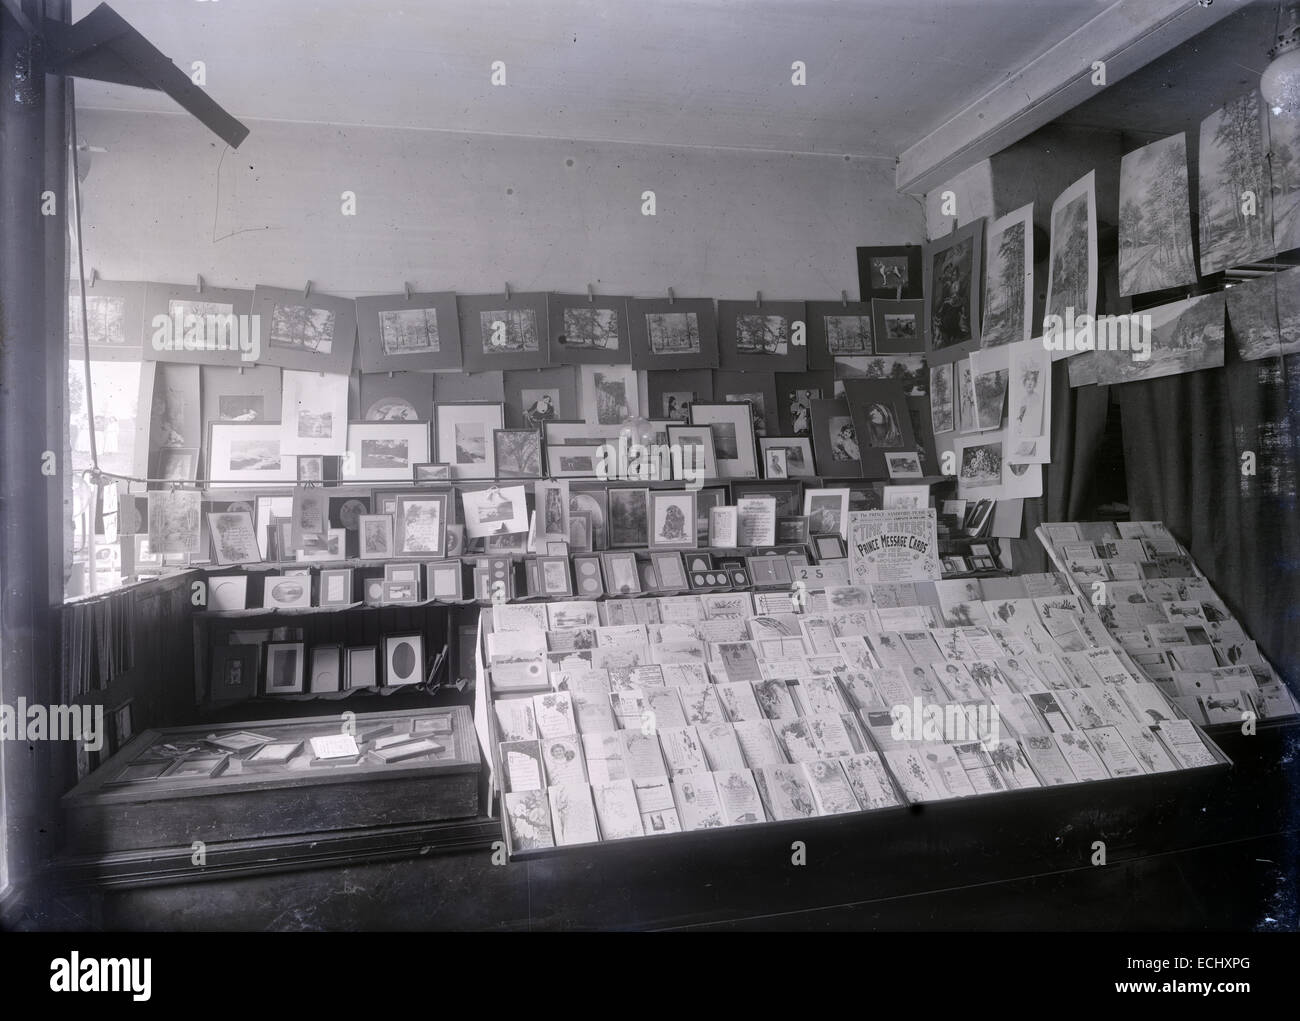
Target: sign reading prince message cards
893,545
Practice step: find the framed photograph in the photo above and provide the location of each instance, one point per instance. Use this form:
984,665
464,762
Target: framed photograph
416,332
573,461
384,451
952,288
898,327
767,336
733,437
705,500
670,571
326,669
336,587
672,517
890,271
904,464
827,511
420,525
796,452
553,573
881,421
115,318
518,453
395,397
443,580
724,526
285,668
360,667
838,329
774,464
551,505
500,331
534,397
905,498
191,767
592,500
835,440
233,676
314,412
316,333
629,518
673,333
286,591
496,509
240,453
226,591
432,471
829,547
332,546
376,536
580,529
233,539
671,394
589,328
193,313
792,531
693,456
609,394
311,468
399,593
621,577
758,389
586,573
464,434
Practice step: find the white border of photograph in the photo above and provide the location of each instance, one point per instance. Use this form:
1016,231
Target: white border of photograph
322,396
415,434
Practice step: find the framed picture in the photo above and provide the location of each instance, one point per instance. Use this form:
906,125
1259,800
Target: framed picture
904,464
580,434
464,434
792,531
580,531
233,676
905,497
586,572
314,412
336,587
240,453
733,437
796,450
673,333
593,500
671,394
504,331
573,461
774,464
952,288
400,593
672,518
115,319
395,397
286,591
769,571
758,388
837,329
226,591
890,271
326,669
621,577
827,511
835,441
609,394
553,573
443,580
233,539
898,327
788,495
376,536
323,549
767,336
432,471
705,500
316,332
534,397
384,451
401,332
829,547
724,526
311,468
454,540
881,421
284,668
693,456
198,330
420,525
507,542
589,328
551,504
518,453
629,520
360,669
670,570
495,509
175,516
559,548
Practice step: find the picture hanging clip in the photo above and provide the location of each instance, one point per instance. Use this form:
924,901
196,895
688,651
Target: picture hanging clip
758,299
590,296
198,282
407,287
306,291
507,290
671,297
844,298
94,275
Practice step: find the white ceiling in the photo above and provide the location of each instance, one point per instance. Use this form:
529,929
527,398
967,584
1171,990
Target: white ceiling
881,73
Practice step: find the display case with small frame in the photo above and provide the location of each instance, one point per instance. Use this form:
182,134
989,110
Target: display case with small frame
285,668
621,576
326,669
360,667
197,767
792,531
233,676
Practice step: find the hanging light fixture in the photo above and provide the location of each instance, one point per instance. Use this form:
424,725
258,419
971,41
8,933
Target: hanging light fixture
1280,82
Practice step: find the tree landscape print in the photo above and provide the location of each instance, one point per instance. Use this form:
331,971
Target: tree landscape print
1185,336
1068,283
302,328
1232,163
1265,315
1155,219
1004,283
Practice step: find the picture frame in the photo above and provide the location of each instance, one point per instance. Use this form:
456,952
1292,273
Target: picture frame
225,591
286,591
699,440
285,667
313,412
621,575
838,329
670,394
375,536
836,450
464,437
829,547
444,580
327,550
204,766
670,570
534,397
495,510
769,571
233,674
510,543
115,316
311,468
573,461
827,511
504,331
898,326
517,453
326,669
629,518
394,397
384,451
399,593
881,422
672,519
890,271
360,667
592,499
903,464
234,540
240,453
335,587
724,527
580,528
706,498
589,329
551,505
733,436
762,336
794,393
431,471
799,462
553,572
788,494
558,548
774,466
905,497
587,577
182,304
419,526
309,331
419,331
758,389
792,531
453,540
610,394
673,333
953,287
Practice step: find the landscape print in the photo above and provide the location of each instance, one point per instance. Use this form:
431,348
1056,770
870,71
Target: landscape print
1007,269
105,319
849,335
586,326
302,328
1185,336
255,455
673,333
1232,162
1257,308
762,335
1284,142
910,371
409,331
509,332
1155,218
1071,281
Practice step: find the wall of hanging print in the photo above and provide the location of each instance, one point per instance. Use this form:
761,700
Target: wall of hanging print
402,333
500,332
838,329
1009,279
212,326
681,333
589,329
794,393
1232,162
316,333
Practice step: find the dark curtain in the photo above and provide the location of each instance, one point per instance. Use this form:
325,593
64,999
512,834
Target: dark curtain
1184,437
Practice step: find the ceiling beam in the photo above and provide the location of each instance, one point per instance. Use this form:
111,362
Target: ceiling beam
1127,35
